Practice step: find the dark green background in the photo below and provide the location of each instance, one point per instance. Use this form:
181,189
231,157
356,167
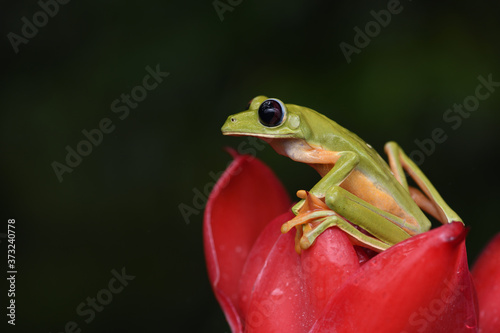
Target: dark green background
119,207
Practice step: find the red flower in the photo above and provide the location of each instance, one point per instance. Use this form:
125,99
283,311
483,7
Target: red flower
486,275
420,285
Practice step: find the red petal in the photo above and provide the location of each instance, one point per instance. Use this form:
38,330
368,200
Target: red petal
486,274
243,201
285,292
419,285
258,257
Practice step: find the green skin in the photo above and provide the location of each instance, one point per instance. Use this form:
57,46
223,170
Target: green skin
357,184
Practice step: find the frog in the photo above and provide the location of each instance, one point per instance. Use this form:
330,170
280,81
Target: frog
359,192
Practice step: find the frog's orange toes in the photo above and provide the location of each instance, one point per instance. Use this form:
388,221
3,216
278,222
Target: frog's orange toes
298,236
313,209
301,194
295,222
306,219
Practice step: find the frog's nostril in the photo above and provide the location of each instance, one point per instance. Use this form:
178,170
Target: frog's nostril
233,120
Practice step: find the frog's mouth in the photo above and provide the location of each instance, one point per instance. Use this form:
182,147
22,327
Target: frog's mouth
257,135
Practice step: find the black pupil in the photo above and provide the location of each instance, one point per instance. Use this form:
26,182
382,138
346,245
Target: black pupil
270,113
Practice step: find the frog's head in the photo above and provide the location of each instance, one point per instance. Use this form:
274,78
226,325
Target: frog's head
267,118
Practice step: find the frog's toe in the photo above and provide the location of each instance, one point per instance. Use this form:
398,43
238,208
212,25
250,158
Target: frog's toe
311,213
311,232
306,218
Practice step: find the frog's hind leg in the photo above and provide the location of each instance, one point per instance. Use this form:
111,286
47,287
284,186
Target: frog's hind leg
425,203
385,229
308,234
315,216
431,202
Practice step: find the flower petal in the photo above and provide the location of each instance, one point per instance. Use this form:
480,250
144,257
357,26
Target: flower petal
486,276
258,259
419,285
246,197
285,292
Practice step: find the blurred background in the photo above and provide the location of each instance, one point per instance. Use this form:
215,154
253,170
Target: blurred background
118,208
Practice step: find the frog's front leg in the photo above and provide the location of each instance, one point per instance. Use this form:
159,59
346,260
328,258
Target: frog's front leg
345,162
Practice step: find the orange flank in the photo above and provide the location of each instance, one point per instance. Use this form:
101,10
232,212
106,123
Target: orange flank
359,185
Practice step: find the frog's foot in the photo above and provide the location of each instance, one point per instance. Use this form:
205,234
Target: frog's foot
312,209
310,215
314,217
311,218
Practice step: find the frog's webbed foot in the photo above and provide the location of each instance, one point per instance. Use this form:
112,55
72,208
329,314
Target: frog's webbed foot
314,217
310,215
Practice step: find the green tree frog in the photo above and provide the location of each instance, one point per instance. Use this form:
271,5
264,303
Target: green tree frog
359,192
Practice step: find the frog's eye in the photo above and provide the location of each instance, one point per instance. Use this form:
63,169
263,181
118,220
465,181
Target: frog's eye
271,112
